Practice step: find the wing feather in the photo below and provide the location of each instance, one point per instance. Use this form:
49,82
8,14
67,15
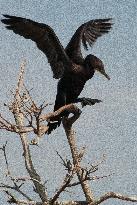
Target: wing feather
87,33
45,38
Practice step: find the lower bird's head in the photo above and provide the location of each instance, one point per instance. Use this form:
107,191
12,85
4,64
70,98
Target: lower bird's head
98,65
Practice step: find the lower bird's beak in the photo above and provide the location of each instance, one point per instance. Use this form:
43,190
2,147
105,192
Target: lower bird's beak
105,74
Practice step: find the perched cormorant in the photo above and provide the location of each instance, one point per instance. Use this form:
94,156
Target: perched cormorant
67,64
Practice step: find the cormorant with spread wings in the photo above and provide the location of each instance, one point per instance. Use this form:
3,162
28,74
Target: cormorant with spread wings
67,64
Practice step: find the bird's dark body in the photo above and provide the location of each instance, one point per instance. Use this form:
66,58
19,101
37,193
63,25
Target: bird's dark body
67,64
71,84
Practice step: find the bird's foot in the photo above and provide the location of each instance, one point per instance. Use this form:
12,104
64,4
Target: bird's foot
88,101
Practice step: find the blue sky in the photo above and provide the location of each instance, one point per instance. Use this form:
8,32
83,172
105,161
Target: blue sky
109,127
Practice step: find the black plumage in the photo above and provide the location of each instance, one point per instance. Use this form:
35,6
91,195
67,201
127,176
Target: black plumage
67,64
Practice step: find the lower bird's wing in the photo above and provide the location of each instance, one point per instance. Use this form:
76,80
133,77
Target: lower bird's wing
87,33
45,38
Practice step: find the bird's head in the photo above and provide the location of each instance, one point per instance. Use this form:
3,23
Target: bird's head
98,65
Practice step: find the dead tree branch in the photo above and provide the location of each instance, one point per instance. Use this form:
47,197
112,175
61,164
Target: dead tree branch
25,109
67,123
13,200
15,188
5,156
116,196
19,119
68,178
64,185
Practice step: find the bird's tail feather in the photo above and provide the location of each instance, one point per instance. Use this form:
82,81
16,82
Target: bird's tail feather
56,123
53,125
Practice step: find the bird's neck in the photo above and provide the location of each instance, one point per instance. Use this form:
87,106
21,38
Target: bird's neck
89,70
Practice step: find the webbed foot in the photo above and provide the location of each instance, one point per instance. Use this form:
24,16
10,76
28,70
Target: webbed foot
87,101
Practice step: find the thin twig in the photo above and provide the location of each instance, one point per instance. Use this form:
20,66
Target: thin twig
92,178
66,182
13,199
66,163
15,188
5,156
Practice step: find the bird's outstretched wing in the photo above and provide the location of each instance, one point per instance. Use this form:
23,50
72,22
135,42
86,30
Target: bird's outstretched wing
45,38
87,33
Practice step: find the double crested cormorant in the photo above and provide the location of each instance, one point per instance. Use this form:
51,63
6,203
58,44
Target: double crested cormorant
67,64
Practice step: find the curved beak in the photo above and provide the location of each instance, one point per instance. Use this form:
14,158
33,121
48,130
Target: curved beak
105,74
102,71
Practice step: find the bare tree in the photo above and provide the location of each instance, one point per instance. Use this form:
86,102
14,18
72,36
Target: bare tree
29,118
